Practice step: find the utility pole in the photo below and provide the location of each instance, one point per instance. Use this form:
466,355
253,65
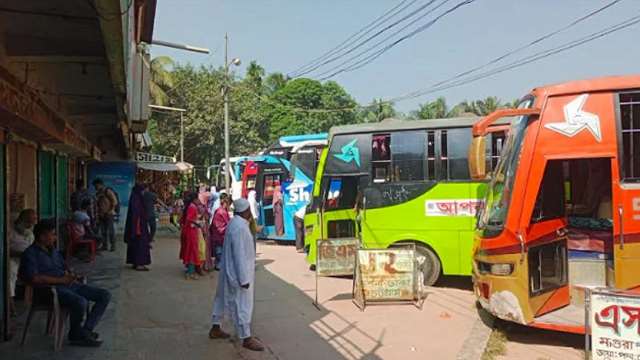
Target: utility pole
225,94
182,136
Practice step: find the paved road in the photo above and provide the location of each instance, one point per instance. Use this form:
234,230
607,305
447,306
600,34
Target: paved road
159,315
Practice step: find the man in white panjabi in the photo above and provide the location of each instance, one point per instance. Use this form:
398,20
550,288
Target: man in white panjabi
235,289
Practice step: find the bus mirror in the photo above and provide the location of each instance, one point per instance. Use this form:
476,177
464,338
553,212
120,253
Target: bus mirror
477,163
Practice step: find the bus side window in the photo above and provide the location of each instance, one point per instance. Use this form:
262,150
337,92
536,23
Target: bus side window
444,158
455,158
630,133
342,193
270,183
497,140
407,155
431,155
381,158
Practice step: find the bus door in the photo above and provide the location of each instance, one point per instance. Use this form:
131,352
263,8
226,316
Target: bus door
543,245
249,178
627,204
271,176
626,250
570,237
338,214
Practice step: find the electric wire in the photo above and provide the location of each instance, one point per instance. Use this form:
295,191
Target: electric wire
526,60
370,58
531,43
378,33
355,36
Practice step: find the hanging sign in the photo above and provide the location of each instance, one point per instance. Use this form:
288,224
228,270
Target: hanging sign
147,157
336,257
615,325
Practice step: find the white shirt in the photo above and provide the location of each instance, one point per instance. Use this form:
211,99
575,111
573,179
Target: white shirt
300,213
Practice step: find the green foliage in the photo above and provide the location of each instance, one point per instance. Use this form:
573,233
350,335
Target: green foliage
263,107
292,109
377,110
161,79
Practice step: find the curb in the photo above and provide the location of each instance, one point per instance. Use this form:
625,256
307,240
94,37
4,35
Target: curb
475,344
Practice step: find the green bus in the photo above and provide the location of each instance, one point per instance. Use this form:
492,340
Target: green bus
405,181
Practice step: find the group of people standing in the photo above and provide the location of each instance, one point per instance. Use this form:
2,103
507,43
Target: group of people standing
203,225
212,239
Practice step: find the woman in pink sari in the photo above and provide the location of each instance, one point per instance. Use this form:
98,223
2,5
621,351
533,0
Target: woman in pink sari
277,210
190,226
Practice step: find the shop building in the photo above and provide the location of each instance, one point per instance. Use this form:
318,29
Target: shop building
73,90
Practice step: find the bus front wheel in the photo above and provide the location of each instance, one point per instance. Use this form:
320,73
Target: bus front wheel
431,266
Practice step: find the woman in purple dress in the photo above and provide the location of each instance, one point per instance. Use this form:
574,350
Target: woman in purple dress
136,232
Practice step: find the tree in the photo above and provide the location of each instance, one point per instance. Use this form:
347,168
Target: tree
481,107
254,76
377,110
306,106
204,122
275,82
487,106
437,109
161,79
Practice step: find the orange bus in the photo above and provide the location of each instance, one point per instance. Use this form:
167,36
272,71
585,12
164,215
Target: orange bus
562,212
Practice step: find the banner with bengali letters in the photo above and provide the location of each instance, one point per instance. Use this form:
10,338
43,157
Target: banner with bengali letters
387,274
458,207
336,257
615,325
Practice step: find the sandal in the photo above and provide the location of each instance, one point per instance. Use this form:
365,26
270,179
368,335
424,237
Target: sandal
252,344
217,333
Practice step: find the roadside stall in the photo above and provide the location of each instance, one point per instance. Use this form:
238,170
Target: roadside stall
164,176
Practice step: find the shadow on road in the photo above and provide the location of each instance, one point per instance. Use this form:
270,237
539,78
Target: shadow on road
293,328
455,282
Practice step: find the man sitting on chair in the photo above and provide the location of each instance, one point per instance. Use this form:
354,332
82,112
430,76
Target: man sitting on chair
43,265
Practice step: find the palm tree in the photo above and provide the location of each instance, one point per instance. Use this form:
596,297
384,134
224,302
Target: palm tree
161,80
274,82
437,109
255,73
488,105
378,110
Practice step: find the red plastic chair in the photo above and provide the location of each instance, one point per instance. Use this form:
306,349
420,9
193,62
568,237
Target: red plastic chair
75,242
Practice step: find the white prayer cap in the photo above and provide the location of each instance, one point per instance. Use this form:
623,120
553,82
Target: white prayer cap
240,205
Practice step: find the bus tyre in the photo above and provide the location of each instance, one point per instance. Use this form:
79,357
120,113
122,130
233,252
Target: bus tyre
431,266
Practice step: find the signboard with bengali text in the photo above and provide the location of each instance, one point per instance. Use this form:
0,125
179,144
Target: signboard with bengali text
147,157
615,325
336,257
387,274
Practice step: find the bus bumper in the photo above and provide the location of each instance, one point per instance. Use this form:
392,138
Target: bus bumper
501,295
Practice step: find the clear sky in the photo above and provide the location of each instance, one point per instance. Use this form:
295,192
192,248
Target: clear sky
285,34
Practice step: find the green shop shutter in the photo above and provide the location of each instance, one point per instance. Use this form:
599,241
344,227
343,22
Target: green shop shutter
46,185
3,246
62,196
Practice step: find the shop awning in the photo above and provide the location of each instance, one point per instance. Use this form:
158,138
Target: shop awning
166,166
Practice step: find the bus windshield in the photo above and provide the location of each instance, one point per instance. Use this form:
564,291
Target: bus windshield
493,215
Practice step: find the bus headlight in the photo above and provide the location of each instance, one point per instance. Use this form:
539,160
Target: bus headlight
503,269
